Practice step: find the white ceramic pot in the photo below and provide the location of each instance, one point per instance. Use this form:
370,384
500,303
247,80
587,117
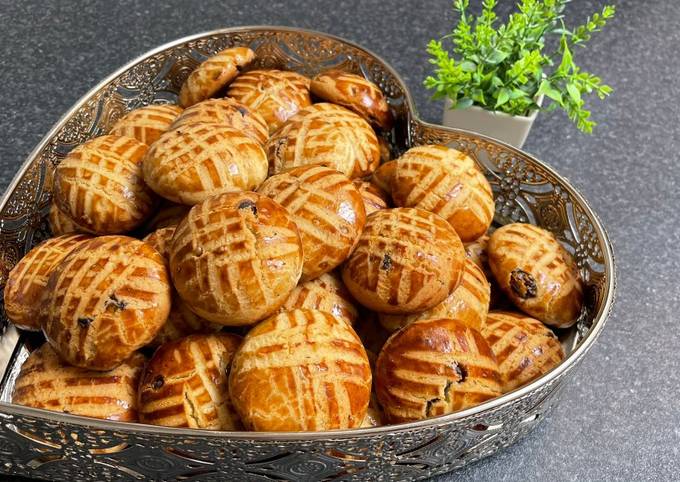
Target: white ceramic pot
512,129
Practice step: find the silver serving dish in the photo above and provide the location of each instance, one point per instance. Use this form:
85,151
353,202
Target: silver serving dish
49,445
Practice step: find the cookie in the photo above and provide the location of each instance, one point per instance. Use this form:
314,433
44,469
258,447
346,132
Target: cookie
434,367
327,209
99,185
276,95
105,300
406,260
213,74
196,161
236,258
325,134
301,370
146,124
227,112
535,271
448,183
185,384
354,92
47,382
27,282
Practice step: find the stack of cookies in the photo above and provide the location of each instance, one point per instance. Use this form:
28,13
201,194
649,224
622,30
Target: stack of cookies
253,259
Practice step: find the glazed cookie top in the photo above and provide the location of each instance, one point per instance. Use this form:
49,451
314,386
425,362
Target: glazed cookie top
301,370
406,260
100,186
276,95
446,182
27,282
327,209
227,112
434,367
146,124
45,381
354,92
185,383
197,161
105,300
213,74
236,257
535,271
325,134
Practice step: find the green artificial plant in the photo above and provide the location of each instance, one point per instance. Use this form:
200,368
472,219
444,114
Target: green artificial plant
505,68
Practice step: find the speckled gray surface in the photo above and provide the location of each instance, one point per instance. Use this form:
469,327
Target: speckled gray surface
621,419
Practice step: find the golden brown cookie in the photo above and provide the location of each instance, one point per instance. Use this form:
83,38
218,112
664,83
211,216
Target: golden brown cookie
170,214
325,293
181,320
434,367
325,134
185,384
382,177
536,273
276,95
524,347
446,182
196,161
47,382
476,252
301,370
105,300
227,112
374,198
406,260
61,223
236,258
213,74
354,92
160,240
100,186
146,124
27,282
327,209
468,303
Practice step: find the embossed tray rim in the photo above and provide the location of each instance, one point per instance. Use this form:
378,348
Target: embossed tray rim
599,320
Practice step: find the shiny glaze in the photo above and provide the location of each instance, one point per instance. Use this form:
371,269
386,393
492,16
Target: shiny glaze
196,161
327,209
406,260
434,367
301,370
276,95
146,124
213,74
106,299
236,258
354,92
325,134
185,384
446,182
100,186
536,273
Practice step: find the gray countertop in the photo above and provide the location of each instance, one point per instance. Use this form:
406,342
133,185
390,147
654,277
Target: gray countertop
620,420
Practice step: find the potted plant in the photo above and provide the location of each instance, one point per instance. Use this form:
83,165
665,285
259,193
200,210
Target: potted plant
495,77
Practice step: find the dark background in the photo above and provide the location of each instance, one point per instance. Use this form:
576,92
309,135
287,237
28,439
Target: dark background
620,418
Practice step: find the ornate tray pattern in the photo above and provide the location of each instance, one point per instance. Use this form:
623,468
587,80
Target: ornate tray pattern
56,446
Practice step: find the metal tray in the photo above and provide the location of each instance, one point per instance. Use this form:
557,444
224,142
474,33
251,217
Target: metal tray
43,444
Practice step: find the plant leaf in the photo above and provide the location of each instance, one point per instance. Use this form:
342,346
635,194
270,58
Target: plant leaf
503,97
467,66
574,93
463,103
